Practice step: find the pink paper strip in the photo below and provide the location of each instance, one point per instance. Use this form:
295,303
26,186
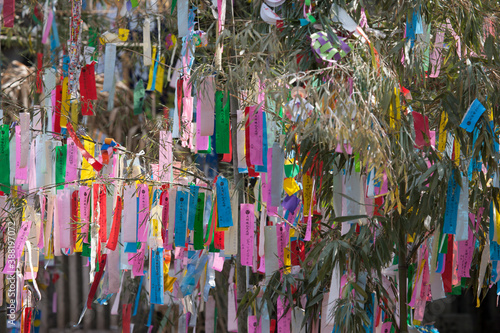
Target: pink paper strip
206,114
71,161
21,173
218,262
137,261
247,234
48,25
64,217
284,319
436,57
253,325
283,237
22,236
43,202
201,140
84,193
255,129
465,251
143,222
269,178
386,327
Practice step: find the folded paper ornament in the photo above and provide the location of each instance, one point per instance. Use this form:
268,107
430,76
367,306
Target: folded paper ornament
268,15
274,3
329,47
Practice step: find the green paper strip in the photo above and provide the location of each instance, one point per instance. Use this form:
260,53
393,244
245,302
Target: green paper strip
134,3
291,170
311,18
308,2
174,2
198,222
4,157
221,123
139,93
61,152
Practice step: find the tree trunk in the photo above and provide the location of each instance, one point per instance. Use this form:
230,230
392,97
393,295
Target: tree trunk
402,272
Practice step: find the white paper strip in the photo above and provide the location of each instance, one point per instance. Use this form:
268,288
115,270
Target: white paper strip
146,43
463,212
109,67
182,18
271,251
129,229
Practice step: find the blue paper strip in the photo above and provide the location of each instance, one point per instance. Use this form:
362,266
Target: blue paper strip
157,276
452,198
494,251
180,218
263,168
475,163
224,204
136,305
470,119
440,264
130,247
193,201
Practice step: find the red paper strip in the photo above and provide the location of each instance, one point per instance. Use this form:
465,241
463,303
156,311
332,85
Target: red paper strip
27,319
115,229
39,65
421,125
103,228
126,313
448,266
97,279
92,161
219,240
88,89
9,7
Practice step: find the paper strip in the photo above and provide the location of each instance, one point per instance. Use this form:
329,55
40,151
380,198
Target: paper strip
255,135
64,217
109,66
143,213
206,114
223,203
129,234
181,218
247,220
472,116
221,123
157,276
146,43
452,200
277,172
